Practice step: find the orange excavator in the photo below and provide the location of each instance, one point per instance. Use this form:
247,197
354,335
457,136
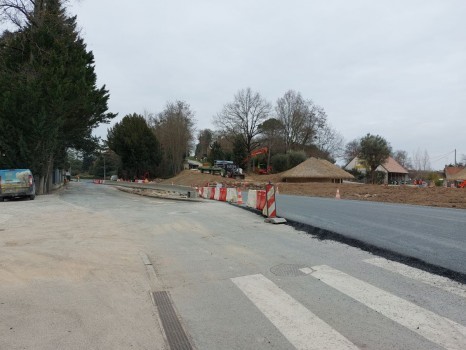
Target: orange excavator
261,169
462,185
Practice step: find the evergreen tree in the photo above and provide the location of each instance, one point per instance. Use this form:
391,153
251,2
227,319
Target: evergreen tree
137,146
374,150
49,100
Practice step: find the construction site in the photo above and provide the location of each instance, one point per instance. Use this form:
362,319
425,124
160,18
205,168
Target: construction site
404,194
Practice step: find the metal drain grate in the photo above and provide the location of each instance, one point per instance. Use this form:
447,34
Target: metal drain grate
176,336
287,270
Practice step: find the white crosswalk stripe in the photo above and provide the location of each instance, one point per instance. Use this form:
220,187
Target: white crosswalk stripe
437,329
300,326
419,275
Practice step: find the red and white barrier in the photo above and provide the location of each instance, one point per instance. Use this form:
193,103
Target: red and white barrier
232,195
261,199
240,197
252,199
270,209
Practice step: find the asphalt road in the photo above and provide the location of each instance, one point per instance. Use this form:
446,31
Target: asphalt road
96,268
434,235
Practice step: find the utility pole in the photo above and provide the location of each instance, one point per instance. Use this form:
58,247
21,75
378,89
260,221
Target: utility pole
455,158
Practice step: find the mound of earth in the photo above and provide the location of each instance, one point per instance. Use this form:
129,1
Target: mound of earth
430,196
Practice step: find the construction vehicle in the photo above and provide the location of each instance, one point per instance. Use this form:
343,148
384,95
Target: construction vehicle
260,168
462,185
210,169
229,169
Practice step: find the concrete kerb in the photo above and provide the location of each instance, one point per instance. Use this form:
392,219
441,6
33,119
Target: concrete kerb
151,192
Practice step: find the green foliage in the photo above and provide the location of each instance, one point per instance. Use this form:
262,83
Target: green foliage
279,162
295,158
239,152
49,100
108,163
435,178
137,146
374,150
204,140
216,152
358,175
174,129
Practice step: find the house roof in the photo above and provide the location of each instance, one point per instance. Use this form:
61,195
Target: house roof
460,175
318,169
451,171
392,166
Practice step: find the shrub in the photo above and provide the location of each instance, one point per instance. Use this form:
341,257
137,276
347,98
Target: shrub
279,162
295,158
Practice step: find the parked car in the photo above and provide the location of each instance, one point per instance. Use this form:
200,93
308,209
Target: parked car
16,183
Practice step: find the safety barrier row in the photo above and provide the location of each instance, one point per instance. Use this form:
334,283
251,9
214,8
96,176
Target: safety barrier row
262,200
219,194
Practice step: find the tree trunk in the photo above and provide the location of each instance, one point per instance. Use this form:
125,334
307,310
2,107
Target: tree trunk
44,177
268,158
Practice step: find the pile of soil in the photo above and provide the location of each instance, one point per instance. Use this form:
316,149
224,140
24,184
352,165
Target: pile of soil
430,196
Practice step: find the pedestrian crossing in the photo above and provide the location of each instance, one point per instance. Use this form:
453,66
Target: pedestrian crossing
300,326
305,330
436,281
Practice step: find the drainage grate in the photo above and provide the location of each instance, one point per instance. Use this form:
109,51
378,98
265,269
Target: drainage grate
176,336
287,270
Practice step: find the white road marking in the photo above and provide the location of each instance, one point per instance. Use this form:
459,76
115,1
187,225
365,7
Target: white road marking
300,326
431,326
419,275
306,270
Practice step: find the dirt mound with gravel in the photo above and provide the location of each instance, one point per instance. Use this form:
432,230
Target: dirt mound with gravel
430,196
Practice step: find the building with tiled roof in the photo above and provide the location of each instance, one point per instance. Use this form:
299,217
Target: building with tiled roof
394,172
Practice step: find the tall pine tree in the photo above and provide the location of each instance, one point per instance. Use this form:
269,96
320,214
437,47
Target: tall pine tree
49,100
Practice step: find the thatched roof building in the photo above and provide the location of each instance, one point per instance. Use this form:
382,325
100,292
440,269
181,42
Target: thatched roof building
316,170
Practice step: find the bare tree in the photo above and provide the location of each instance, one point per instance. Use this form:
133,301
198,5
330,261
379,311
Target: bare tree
242,117
174,128
301,119
421,160
403,159
329,141
426,161
24,12
351,150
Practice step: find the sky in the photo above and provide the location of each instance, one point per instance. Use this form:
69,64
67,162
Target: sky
394,68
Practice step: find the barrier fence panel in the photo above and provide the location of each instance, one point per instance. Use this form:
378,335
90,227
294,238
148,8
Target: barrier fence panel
223,195
232,196
239,198
217,194
252,199
270,209
261,199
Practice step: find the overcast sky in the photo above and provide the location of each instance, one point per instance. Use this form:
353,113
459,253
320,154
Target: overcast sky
396,68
